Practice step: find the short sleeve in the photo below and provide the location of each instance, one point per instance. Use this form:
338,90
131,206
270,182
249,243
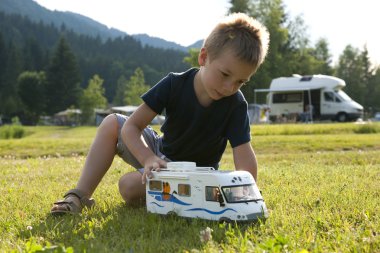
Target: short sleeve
238,130
158,96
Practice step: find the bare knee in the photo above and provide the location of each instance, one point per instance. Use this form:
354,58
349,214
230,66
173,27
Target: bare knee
109,125
131,188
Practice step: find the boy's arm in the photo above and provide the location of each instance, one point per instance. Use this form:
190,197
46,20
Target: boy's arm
245,159
132,138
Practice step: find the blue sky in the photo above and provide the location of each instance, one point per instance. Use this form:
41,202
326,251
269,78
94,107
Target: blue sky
341,22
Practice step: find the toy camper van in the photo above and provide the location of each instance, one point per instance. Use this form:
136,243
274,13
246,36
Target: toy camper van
201,192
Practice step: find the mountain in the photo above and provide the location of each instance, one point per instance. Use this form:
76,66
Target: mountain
161,43
81,24
76,22
158,42
197,44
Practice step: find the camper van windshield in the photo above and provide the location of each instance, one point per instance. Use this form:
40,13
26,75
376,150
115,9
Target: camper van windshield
343,95
240,193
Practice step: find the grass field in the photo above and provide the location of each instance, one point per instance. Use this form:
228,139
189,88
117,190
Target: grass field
321,183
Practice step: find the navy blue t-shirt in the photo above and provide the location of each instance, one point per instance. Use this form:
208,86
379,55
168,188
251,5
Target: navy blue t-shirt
192,132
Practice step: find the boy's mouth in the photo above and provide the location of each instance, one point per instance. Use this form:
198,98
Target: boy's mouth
220,95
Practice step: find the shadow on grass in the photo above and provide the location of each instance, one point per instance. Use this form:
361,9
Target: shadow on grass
120,229
123,229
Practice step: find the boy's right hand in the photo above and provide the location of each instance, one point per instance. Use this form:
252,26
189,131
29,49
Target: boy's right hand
153,163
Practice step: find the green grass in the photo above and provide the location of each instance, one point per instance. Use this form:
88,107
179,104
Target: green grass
321,186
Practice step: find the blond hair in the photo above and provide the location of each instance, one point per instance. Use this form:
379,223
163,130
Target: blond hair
245,36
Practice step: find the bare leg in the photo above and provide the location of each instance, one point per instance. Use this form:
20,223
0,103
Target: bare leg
100,156
98,161
131,188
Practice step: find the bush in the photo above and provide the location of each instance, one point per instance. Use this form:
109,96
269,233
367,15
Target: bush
368,129
12,132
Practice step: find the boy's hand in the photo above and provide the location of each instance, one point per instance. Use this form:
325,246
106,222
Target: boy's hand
153,163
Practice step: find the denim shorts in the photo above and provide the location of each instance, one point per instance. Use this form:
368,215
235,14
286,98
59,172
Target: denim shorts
152,139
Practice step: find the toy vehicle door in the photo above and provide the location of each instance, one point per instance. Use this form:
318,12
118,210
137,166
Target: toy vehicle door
214,196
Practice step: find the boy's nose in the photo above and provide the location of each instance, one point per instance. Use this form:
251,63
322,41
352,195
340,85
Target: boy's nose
229,86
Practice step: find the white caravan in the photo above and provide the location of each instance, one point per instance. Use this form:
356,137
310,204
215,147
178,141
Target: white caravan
322,93
201,192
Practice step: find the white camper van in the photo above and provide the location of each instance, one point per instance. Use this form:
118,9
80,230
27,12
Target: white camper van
291,95
202,192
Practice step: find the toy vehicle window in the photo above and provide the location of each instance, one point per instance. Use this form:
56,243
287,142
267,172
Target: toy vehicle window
241,193
155,185
184,190
212,193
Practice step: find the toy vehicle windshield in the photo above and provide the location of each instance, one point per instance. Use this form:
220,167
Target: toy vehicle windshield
241,193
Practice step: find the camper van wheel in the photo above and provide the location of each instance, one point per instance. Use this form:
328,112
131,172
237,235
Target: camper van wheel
341,117
172,214
224,220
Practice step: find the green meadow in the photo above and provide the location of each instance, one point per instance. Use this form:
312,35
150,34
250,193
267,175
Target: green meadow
321,184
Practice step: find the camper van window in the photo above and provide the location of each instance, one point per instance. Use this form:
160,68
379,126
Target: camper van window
212,193
240,193
184,190
329,96
343,95
294,97
155,185
306,78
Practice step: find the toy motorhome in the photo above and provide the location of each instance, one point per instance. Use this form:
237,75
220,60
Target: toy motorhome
201,192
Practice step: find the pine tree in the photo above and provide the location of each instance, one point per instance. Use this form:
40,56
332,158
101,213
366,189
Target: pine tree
3,60
10,101
63,79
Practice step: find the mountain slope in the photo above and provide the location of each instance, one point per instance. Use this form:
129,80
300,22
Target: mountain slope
80,24
76,22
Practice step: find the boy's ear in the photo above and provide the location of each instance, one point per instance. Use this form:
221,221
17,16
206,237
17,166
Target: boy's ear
202,57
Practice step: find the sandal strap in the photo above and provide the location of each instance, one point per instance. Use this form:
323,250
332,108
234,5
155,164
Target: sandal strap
78,193
70,206
84,200
62,202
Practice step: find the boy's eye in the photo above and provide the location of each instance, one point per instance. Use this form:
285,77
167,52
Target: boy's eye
224,74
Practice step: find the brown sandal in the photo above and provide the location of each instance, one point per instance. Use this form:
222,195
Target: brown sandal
70,206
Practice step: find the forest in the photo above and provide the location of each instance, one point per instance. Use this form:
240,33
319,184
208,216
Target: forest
45,69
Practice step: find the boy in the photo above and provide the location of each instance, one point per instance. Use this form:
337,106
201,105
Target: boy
204,109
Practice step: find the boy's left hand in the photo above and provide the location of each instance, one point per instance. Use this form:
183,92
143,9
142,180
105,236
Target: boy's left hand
153,163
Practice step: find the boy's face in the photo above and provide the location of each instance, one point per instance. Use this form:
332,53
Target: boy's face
224,75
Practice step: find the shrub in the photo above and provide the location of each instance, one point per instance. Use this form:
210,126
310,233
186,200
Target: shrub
367,129
12,132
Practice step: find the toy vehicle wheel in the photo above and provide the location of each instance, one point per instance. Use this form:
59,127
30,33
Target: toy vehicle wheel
172,214
225,220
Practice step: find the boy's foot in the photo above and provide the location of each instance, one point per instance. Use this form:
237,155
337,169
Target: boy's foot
74,201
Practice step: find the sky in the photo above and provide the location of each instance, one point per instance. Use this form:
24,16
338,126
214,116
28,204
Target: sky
340,22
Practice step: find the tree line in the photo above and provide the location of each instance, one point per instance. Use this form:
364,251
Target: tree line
45,69
55,66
